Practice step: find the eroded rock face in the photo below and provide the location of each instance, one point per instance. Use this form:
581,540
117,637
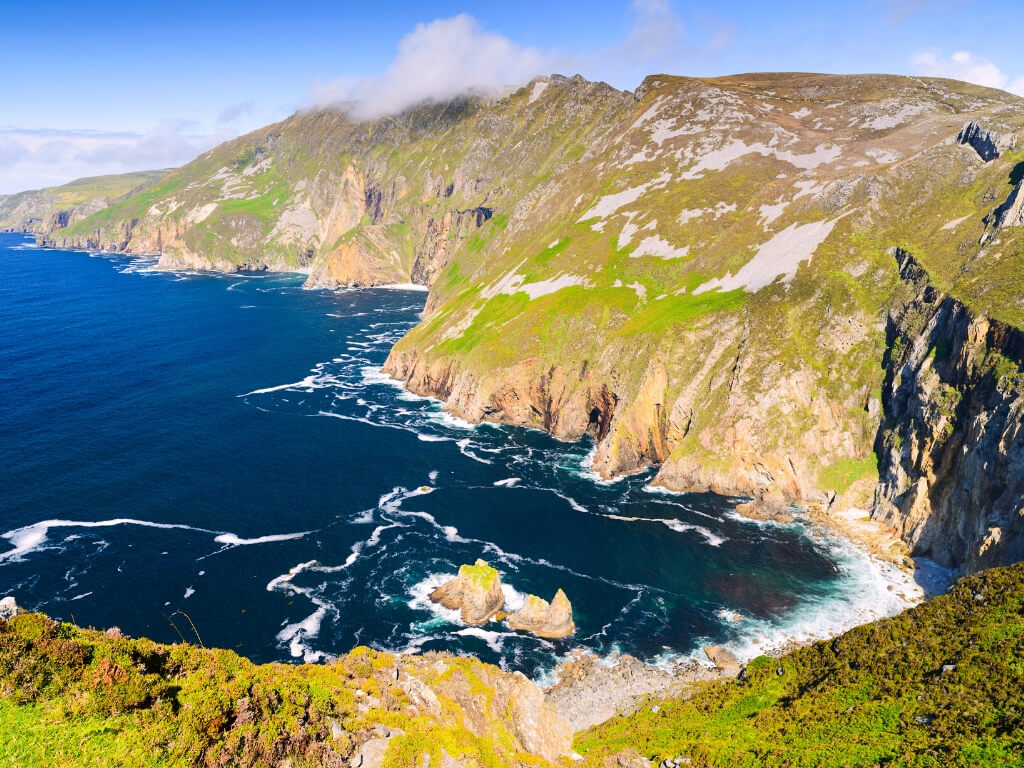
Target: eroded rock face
549,620
951,446
475,592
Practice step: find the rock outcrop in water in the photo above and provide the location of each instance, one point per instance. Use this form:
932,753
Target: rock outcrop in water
549,620
475,593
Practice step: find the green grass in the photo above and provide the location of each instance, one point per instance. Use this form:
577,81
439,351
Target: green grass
659,315
876,695
845,472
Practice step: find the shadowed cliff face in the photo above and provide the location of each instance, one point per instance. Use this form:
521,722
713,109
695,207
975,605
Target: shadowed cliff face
951,443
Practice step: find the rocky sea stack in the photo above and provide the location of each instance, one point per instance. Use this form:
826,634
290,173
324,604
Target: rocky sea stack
475,592
549,620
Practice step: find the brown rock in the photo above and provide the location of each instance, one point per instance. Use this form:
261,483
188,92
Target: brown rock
721,657
765,510
550,620
476,592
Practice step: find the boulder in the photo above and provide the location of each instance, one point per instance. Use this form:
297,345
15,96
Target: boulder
544,619
475,592
722,658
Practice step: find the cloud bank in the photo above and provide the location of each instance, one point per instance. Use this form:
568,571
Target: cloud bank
30,159
966,66
444,58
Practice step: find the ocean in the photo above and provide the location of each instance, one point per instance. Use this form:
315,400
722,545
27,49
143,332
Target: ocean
218,459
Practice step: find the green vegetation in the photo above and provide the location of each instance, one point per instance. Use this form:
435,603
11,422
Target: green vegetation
480,574
845,472
74,697
939,685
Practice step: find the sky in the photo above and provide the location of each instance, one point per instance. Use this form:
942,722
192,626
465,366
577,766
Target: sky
109,87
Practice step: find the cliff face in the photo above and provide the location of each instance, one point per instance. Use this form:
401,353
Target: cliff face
951,443
697,275
359,203
708,290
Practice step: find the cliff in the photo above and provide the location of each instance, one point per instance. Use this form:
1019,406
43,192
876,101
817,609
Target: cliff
42,211
950,443
697,276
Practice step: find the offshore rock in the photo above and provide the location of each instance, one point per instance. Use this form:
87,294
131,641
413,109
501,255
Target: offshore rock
549,620
476,592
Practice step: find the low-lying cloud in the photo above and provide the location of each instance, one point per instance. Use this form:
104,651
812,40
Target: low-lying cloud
30,159
966,66
442,59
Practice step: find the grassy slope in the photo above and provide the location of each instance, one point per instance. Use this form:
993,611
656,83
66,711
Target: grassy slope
876,695
75,697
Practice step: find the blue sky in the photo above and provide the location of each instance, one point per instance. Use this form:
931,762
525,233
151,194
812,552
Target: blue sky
93,88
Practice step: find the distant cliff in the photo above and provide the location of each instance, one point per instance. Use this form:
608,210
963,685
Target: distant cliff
44,210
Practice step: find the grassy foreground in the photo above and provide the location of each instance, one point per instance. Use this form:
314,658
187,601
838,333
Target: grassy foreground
942,684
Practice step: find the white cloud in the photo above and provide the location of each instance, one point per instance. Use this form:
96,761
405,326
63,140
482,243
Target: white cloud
448,57
966,66
30,159
436,62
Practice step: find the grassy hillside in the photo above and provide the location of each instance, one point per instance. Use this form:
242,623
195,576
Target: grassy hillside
939,685
74,697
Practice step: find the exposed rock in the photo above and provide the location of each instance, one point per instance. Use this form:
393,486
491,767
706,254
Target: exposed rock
476,592
765,510
722,658
589,691
549,620
1011,213
951,465
981,140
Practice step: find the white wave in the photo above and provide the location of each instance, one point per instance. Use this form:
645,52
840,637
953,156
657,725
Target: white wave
298,635
189,592
514,599
508,482
431,438
586,470
79,597
495,640
681,527
403,287
450,420
235,541
464,445
32,537
420,598
433,475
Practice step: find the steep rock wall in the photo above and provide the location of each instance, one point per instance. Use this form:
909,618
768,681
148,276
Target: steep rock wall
951,443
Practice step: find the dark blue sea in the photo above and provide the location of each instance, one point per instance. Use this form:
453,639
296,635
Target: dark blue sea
218,458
